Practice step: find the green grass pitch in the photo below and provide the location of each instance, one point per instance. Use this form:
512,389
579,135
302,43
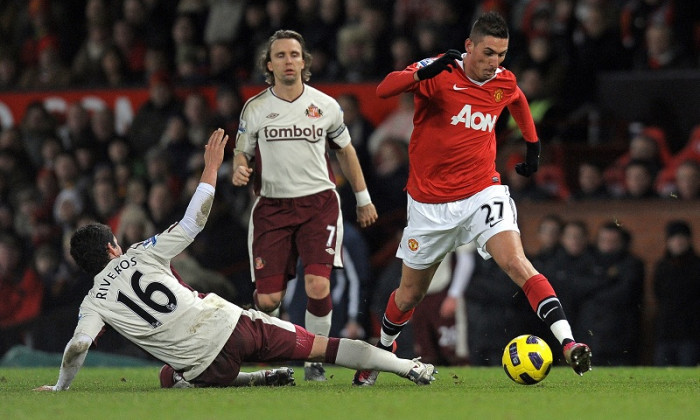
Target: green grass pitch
458,393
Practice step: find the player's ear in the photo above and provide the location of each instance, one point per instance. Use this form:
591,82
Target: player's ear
468,44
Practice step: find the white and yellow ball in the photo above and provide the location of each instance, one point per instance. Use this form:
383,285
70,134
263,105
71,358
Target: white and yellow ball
527,359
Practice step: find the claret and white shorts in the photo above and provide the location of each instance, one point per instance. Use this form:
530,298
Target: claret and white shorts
433,230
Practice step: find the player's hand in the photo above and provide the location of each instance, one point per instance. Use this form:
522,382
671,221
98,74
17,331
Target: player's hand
366,215
241,175
214,149
442,63
532,160
46,388
448,308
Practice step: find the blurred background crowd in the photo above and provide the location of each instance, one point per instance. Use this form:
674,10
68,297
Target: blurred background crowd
58,172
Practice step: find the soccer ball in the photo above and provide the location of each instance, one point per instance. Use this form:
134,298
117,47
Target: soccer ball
527,359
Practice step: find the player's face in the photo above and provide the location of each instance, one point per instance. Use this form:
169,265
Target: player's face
484,57
286,61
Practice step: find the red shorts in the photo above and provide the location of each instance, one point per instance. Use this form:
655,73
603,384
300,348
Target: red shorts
256,338
284,229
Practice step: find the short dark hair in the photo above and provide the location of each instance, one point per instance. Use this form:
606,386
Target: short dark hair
88,247
490,23
265,56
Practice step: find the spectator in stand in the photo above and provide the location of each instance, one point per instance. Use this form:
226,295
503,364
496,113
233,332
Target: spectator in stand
227,109
403,52
397,125
156,62
86,66
76,131
613,309
636,16
222,63
36,125
177,147
647,145
689,152
571,271
661,50
639,181
20,295
687,185
152,117
48,72
38,29
198,117
224,20
105,204
186,39
591,183
115,69
133,48
162,205
360,129
254,31
677,292
159,169
9,70
597,48
103,130
549,238
552,64
356,53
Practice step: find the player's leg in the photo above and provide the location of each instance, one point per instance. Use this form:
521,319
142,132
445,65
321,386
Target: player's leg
319,242
506,249
272,256
357,354
267,377
319,312
399,310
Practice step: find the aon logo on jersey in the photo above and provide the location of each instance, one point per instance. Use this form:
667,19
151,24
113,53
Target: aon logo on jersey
476,120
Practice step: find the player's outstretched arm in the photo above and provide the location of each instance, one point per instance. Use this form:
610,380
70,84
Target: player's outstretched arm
213,156
73,359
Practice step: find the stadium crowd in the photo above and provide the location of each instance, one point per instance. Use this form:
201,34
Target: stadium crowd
58,172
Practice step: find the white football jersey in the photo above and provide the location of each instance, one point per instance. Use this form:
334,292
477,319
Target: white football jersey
138,295
288,141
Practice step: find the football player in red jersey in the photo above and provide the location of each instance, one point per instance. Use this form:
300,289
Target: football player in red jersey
455,194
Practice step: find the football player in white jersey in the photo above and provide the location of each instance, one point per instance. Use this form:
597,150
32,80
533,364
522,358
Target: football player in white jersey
285,131
202,338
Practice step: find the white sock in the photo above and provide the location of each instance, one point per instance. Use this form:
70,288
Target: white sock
562,330
357,354
256,378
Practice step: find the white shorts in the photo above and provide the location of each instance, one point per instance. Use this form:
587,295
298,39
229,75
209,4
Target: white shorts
433,230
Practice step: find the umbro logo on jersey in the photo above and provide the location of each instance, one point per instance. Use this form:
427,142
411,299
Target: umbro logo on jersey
272,115
455,87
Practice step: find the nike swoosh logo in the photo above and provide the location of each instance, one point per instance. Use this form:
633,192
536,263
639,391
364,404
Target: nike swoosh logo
492,224
455,87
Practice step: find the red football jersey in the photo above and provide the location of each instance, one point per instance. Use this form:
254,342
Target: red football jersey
452,151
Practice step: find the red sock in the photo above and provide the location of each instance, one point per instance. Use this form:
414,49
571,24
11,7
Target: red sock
394,315
537,288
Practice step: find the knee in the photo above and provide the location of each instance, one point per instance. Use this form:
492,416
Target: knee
518,267
266,303
317,287
408,298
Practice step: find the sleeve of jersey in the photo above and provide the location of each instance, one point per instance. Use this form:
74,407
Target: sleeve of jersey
198,210
244,142
520,110
338,134
397,82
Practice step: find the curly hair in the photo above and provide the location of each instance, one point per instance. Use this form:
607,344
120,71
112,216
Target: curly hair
265,56
88,247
